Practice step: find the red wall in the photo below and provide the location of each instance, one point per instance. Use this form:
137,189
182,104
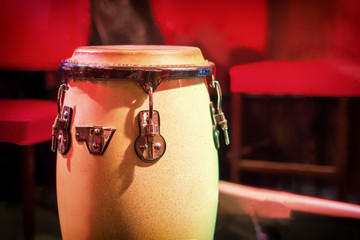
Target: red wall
308,30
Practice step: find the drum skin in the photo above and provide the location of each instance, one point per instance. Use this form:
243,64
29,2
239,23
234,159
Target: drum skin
118,196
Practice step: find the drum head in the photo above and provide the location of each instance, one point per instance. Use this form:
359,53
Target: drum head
139,55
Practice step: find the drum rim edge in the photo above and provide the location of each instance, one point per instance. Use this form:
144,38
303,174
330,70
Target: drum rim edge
142,74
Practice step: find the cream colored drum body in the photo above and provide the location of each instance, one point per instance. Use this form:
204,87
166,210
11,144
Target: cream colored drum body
117,195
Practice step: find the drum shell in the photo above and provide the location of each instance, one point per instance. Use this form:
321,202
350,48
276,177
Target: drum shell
118,196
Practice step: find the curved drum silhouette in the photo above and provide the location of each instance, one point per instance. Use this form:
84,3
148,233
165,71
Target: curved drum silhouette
121,173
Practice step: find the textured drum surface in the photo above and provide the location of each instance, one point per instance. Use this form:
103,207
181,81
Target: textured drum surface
117,195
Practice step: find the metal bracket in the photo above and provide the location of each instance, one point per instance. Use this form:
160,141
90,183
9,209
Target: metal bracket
216,133
219,118
61,131
152,79
97,138
150,145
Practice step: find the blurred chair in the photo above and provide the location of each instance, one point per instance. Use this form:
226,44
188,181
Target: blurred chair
304,78
27,122
239,36
36,36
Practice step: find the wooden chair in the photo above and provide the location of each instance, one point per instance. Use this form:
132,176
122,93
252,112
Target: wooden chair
38,37
27,122
304,78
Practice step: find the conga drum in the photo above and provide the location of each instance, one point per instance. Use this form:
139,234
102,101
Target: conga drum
121,172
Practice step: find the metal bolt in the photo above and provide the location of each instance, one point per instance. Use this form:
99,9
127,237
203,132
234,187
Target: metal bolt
66,114
97,131
157,146
96,146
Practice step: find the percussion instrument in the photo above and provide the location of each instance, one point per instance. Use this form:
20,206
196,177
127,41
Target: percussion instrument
121,172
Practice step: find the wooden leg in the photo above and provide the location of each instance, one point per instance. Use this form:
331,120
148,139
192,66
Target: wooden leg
342,143
235,134
28,185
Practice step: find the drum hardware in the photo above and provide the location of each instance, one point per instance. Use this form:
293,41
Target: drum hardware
150,145
219,118
216,132
145,76
152,79
61,128
97,138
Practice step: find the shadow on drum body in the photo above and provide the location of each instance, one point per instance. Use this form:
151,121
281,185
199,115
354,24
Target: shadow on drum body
118,102
70,153
104,178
